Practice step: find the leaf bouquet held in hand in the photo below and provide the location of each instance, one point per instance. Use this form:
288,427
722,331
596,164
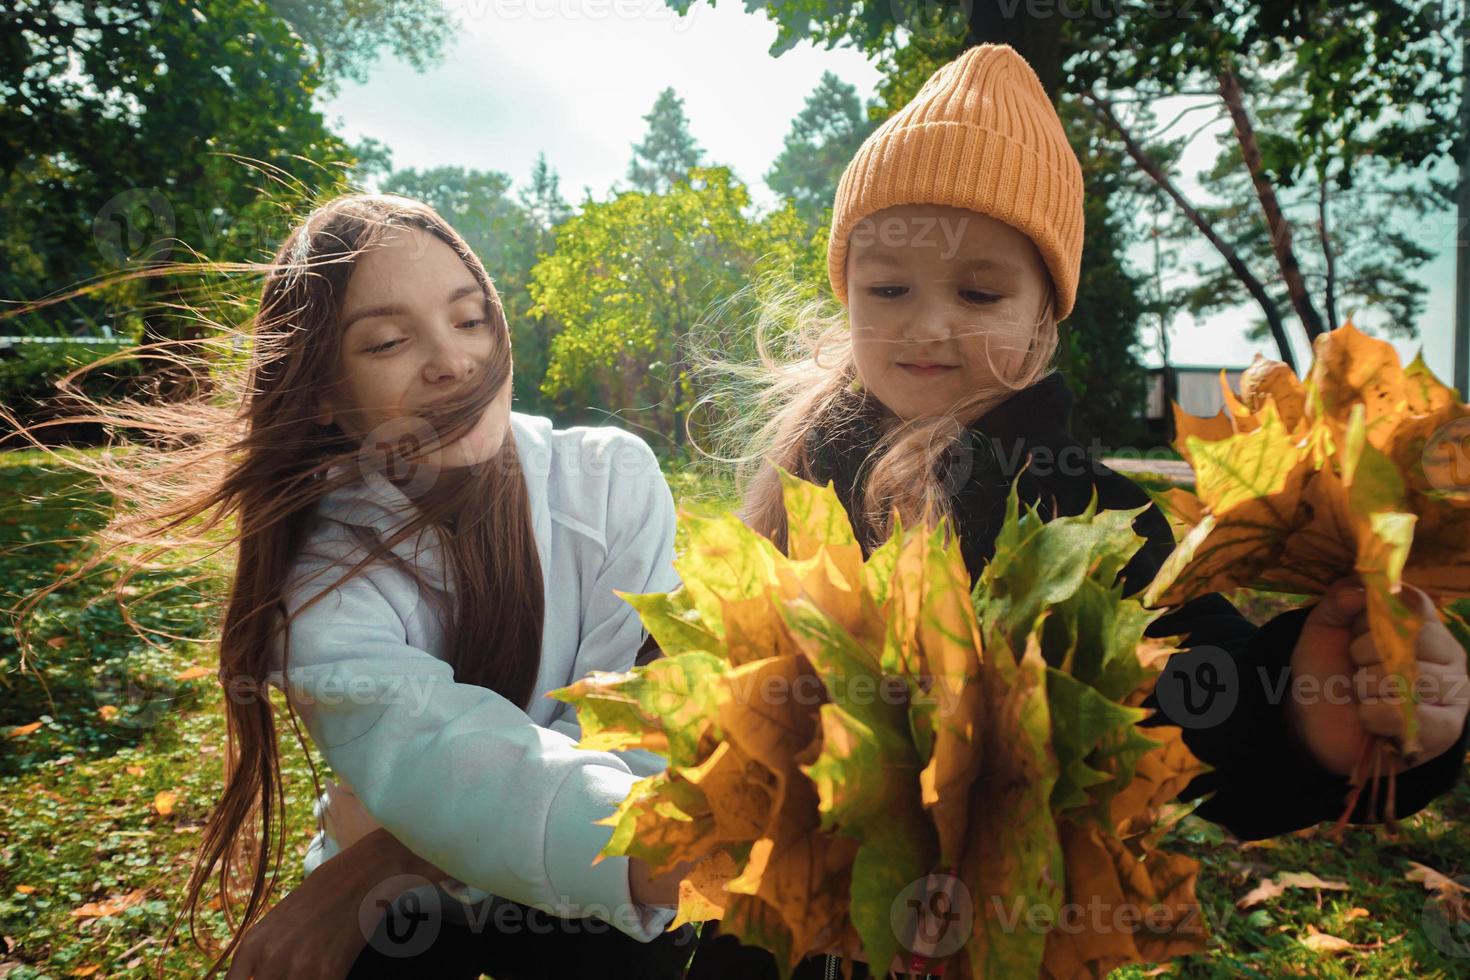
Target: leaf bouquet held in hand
868,757
1362,470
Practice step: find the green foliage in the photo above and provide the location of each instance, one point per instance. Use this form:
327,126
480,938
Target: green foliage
668,151
824,136
151,130
346,36
30,371
631,276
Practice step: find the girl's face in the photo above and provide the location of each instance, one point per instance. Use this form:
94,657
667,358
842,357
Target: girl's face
943,302
416,330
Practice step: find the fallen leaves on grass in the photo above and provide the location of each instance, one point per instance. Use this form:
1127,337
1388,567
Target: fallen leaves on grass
1270,888
164,800
110,906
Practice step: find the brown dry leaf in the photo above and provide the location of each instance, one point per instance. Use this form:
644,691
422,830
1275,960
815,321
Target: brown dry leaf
164,800
950,652
1357,912
1435,881
1209,429
754,631
110,906
1322,942
1161,774
134,770
663,820
740,793
1015,848
107,711
21,731
795,869
85,971
193,674
26,889
57,642
1091,877
1273,379
1270,888
702,894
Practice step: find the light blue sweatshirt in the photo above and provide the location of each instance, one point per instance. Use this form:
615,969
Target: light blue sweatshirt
500,798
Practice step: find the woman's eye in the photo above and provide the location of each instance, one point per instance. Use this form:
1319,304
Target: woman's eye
474,323
385,345
975,296
888,292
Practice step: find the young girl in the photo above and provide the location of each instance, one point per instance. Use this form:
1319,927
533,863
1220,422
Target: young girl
955,247
416,566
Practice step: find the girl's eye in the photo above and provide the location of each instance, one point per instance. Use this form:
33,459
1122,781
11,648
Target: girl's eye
385,345
474,323
975,296
888,292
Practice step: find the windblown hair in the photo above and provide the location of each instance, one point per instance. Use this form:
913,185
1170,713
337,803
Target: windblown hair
803,387
248,447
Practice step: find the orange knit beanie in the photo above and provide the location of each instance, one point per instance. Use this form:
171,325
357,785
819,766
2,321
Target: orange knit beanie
981,135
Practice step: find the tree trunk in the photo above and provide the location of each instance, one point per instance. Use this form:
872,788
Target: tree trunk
1326,238
1104,112
1280,228
1171,384
1038,39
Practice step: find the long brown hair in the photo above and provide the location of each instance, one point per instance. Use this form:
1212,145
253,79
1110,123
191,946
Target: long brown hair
248,448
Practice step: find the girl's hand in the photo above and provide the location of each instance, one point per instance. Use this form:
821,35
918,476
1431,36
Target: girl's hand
315,932
1352,701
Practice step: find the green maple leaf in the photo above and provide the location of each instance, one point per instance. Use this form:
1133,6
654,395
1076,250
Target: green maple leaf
867,776
664,706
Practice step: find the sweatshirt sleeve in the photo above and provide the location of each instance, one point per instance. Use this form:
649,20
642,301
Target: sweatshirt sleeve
462,776
639,558
1227,691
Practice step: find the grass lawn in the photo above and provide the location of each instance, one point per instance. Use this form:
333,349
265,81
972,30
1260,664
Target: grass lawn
111,751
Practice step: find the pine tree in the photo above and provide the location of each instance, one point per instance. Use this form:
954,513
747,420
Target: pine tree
543,200
824,136
668,151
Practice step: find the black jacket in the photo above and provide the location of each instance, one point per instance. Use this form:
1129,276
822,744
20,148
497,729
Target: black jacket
1263,782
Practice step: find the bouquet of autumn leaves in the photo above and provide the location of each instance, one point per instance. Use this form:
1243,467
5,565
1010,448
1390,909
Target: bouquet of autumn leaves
1362,469
847,739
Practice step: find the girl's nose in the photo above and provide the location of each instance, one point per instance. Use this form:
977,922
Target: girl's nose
931,321
448,361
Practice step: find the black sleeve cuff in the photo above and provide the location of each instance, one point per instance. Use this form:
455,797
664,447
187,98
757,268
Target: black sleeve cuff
1263,781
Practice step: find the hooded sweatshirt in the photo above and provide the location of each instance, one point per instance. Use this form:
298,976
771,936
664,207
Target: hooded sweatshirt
499,797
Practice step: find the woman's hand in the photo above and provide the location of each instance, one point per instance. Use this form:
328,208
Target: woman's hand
1352,701
663,890
315,932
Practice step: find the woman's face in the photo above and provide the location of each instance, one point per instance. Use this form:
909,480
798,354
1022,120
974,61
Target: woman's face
943,303
416,330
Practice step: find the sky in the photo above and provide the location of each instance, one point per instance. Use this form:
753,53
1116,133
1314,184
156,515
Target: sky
574,78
